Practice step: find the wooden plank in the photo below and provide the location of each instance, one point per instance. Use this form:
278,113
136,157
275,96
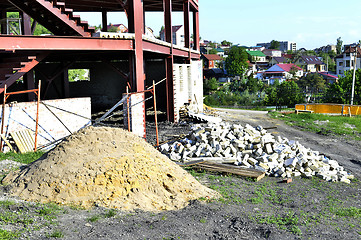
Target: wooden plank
244,172
190,163
6,142
24,140
17,141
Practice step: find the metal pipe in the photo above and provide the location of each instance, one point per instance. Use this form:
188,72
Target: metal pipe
354,76
37,118
155,114
2,118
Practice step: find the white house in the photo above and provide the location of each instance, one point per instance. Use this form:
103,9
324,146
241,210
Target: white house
346,60
178,35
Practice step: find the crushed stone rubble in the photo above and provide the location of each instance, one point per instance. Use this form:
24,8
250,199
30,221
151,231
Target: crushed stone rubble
254,147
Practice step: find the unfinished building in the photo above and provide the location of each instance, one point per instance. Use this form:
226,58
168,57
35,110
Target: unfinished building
115,61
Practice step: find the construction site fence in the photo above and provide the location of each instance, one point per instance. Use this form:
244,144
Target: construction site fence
330,108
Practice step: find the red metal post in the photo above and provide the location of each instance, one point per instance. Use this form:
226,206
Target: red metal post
25,24
37,118
155,114
3,118
29,81
135,17
3,14
186,24
104,21
196,30
167,6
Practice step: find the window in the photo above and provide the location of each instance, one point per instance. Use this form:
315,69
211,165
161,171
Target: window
347,63
340,64
76,75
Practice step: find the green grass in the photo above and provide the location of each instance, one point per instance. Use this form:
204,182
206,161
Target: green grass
25,158
4,234
56,234
94,218
111,213
323,124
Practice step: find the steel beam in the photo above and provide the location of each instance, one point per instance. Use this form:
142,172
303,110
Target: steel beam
167,5
135,17
26,23
153,47
62,43
196,30
29,84
104,21
3,24
186,23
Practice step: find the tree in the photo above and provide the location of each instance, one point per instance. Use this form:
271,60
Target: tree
210,85
285,94
212,51
275,44
226,43
340,92
312,84
339,45
236,63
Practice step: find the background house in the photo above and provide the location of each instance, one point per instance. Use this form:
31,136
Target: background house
282,72
345,61
311,64
178,35
211,60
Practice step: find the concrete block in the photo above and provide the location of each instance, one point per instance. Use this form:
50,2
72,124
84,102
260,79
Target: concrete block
252,161
263,165
291,162
268,148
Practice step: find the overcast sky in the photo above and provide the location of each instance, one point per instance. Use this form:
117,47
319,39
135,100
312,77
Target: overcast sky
309,23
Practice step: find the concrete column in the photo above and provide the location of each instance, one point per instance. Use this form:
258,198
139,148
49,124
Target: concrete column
134,114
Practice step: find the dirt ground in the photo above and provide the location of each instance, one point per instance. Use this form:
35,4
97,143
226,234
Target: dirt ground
268,209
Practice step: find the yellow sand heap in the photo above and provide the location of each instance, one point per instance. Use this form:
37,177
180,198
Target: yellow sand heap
107,167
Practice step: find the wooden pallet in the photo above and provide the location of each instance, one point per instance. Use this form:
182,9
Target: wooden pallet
24,140
223,168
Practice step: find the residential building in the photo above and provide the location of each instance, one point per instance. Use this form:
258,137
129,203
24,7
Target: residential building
284,46
311,64
119,28
178,35
272,53
277,60
330,78
346,60
211,60
326,49
282,72
256,56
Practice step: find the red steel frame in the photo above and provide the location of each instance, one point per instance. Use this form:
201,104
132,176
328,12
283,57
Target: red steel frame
6,96
135,12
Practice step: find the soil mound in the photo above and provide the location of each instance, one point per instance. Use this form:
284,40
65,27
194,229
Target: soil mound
107,167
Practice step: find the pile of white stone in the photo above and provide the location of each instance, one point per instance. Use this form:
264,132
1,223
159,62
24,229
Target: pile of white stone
254,147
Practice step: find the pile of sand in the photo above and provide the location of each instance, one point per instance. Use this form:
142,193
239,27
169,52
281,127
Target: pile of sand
107,167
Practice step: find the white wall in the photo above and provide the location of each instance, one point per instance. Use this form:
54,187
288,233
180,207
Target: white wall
59,119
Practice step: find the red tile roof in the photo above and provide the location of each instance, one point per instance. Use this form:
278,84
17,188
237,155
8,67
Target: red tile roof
287,67
212,57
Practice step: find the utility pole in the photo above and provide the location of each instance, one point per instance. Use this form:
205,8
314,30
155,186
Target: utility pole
354,75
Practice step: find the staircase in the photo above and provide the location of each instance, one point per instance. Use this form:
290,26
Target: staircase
55,17
13,66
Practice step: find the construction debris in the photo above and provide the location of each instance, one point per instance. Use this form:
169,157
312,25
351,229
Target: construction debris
255,148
